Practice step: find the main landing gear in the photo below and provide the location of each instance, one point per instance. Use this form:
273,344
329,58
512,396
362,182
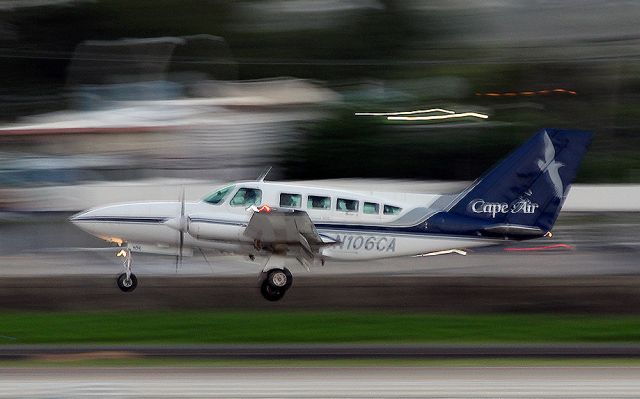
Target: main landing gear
127,281
275,284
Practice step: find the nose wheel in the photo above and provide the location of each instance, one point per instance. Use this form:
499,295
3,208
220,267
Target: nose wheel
127,284
127,281
275,284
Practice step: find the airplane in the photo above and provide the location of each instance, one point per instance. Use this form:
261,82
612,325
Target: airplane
289,224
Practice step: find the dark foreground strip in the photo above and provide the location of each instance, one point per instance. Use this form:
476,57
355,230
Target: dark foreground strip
316,351
589,295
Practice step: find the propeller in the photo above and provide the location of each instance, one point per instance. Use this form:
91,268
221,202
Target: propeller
180,223
183,225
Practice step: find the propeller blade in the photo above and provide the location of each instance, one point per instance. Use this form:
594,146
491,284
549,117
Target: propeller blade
181,248
182,229
182,204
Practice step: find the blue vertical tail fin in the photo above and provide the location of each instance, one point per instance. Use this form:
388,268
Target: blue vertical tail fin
527,189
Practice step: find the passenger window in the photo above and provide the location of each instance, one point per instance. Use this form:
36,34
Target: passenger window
247,197
371,208
391,210
318,202
347,205
290,200
217,197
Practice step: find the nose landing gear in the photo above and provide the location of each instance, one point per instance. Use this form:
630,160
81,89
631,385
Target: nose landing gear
127,281
275,284
127,284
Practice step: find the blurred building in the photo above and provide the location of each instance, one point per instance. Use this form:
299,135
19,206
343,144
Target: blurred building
154,117
222,89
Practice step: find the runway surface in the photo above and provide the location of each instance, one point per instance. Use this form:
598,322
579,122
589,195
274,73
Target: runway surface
323,382
600,294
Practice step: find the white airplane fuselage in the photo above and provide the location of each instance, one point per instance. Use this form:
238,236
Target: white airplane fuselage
360,233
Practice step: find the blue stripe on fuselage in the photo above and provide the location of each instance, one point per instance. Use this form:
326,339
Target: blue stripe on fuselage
120,219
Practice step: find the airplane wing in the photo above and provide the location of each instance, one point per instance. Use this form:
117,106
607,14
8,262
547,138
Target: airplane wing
287,231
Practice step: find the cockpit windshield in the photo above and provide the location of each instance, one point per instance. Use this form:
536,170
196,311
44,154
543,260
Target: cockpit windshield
218,196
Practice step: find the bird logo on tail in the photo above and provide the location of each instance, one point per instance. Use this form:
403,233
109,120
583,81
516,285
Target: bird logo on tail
551,166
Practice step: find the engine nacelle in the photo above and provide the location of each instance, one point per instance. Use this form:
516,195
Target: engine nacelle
206,229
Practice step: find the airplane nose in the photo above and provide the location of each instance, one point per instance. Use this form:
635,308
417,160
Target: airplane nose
97,223
75,218
87,216
84,220
89,219
124,221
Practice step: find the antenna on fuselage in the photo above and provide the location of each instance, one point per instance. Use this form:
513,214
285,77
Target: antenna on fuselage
264,174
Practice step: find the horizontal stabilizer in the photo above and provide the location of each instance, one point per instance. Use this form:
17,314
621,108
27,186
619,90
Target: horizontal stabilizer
514,230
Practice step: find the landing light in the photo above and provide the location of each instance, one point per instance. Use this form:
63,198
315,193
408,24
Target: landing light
122,253
113,239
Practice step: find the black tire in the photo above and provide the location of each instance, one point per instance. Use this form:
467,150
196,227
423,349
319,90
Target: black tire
270,293
289,278
280,279
127,286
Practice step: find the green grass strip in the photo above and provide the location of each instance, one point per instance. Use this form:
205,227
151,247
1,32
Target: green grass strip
212,327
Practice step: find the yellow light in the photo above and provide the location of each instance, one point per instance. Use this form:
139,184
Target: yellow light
437,117
420,111
113,239
403,115
122,253
527,93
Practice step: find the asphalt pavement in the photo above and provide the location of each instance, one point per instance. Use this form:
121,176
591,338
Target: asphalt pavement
322,382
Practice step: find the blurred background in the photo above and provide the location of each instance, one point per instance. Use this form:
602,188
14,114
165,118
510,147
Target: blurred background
117,100
106,101
105,91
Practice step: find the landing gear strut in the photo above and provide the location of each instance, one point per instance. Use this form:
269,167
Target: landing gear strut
127,281
275,284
